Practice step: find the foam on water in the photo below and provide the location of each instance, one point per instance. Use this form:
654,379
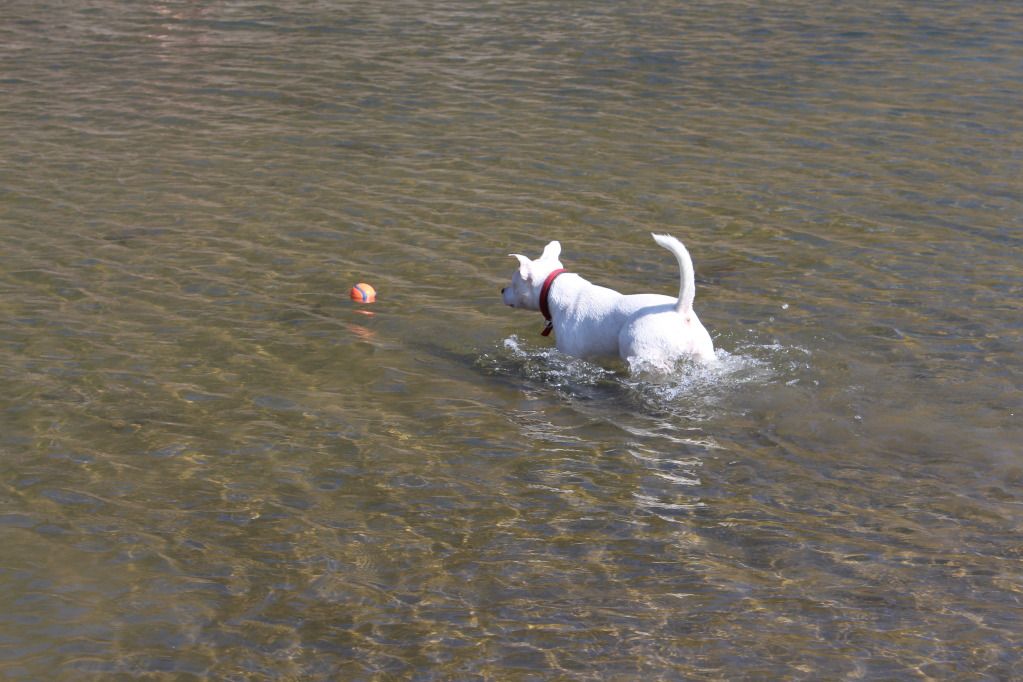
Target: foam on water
687,383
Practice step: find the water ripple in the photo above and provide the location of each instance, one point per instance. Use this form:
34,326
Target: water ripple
216,465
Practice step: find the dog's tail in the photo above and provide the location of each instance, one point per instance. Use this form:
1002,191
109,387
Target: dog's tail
687,283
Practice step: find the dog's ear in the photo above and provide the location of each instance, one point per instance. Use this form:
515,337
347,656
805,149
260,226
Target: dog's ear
525,265
551,251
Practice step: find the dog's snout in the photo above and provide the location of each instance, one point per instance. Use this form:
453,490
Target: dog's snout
502,290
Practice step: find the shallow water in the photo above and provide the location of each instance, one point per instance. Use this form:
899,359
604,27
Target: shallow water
214,465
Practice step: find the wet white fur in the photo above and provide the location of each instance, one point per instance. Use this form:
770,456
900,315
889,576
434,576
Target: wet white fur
589,320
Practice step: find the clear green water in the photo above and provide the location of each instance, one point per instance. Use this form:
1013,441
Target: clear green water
213,466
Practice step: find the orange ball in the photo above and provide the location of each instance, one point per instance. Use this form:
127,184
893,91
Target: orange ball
363,293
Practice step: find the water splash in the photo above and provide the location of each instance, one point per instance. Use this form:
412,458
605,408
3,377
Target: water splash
686,383
549,366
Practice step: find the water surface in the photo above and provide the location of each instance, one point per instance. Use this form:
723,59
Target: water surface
214,465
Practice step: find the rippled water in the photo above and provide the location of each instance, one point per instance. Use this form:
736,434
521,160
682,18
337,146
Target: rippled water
214,465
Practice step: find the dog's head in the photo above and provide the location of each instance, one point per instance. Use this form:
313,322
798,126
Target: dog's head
527,281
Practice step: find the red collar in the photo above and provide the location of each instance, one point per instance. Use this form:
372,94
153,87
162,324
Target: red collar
544,309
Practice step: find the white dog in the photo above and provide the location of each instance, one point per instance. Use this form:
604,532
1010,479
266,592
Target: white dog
649,330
